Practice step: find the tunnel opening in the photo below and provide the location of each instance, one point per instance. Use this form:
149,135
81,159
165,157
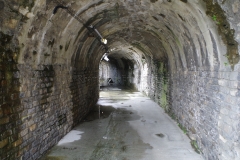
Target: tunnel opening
118,72
182,54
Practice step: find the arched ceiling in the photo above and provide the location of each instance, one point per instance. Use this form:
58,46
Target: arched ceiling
178,31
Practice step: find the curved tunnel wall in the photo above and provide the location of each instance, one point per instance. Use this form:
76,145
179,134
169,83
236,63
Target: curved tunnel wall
186,52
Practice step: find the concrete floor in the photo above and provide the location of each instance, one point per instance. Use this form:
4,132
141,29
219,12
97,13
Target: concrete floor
130,127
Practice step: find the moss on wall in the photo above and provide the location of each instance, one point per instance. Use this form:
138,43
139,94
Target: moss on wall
9,101
163,75
27,3
215,11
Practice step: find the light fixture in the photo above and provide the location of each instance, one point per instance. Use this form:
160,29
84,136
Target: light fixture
90,27
106,58
104,41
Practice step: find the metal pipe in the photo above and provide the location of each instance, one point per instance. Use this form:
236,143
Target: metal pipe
57,7
98,33
90,28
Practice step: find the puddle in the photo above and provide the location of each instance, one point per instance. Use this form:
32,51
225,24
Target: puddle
99,112
123,114
70,137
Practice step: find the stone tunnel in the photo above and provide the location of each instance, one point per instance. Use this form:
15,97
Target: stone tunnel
183,54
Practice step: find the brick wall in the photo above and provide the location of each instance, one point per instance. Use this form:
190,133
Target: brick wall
48,102
10,108
47,114
85,93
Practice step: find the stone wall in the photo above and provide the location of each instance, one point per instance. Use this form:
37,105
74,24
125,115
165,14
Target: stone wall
159,84
207,104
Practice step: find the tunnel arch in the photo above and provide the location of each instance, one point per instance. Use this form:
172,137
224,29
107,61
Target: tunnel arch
187,53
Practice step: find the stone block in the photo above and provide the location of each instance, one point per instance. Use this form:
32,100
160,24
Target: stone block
4,120
24,132
31,111
222,82
17,143
234,92
33,127
35,103
1,112
3,143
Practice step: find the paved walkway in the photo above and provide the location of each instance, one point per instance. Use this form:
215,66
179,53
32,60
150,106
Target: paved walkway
128,126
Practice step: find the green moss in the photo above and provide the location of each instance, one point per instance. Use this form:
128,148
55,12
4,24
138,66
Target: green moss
163,101
195,146
163,75
215,11
172,115
5,39
182,128
27,3
175,37
139,46
161,68
8,60
8,76
112,13
193,142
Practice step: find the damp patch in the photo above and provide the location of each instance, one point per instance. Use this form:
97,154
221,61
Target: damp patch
185,1
160,135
